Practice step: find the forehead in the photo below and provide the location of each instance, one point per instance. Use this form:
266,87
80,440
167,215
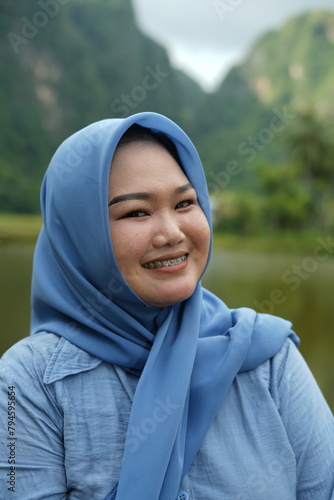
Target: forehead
144,164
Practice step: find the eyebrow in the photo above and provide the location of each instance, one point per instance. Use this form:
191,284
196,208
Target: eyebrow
146,196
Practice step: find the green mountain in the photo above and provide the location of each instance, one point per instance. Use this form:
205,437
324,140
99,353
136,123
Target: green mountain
246,121
65,64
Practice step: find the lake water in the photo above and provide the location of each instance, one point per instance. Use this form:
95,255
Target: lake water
298,288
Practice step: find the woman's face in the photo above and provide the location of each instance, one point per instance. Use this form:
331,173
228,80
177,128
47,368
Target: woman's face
160,234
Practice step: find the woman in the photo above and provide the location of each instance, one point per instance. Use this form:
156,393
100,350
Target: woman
137,383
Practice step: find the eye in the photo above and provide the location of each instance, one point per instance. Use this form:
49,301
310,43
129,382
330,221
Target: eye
135,214
184,204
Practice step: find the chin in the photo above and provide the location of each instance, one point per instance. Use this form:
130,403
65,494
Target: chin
169,299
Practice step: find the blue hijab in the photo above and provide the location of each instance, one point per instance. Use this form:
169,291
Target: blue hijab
187,355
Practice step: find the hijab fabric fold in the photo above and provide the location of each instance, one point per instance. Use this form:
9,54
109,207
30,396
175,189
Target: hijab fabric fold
187,354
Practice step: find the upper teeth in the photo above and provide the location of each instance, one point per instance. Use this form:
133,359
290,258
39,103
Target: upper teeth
164,263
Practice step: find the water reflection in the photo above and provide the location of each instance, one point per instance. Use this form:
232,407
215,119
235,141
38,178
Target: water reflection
267,282
15,273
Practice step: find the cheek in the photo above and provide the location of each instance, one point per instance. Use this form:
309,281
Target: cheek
204,246
127,244
201,233
120,241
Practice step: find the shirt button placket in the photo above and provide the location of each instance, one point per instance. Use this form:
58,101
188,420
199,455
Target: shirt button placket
182,495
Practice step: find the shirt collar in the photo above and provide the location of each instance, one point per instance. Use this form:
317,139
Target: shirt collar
68,359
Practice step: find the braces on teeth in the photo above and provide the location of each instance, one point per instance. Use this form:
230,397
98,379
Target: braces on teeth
165,263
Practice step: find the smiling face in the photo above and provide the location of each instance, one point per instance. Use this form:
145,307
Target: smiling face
159,232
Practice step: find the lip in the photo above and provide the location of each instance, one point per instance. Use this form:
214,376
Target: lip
168,257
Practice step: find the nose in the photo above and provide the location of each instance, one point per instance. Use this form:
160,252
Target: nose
167,232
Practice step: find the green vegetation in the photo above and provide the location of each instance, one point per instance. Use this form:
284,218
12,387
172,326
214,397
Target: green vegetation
19,228
61,71
281,243
297,194
268,142
265,136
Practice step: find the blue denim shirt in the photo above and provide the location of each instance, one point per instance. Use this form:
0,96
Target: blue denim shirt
64,416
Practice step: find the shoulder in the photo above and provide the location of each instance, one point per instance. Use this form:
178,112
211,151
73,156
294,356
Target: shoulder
30,356
287,368
294,387
297,396
287,359
274,368
41,344
45,358
289,372
286,377
286,383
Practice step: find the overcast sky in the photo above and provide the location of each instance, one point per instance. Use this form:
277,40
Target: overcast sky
206,37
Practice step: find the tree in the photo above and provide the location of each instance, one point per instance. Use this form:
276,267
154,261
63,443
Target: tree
312,149
285,202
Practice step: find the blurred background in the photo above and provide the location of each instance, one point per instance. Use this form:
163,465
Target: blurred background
252,83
